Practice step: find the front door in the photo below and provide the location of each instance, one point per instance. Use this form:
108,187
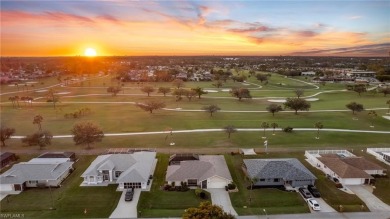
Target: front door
204,184
18,187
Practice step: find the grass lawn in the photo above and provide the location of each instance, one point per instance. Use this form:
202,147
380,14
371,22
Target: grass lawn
70,200
159,203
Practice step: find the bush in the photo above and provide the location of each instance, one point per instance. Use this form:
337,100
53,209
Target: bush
339,185
197,192
231,186
226,188
203,195
167,187
288,129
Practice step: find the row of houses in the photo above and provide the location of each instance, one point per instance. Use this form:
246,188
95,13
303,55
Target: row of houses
135,169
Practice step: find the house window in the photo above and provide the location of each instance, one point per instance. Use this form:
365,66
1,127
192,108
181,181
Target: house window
276,180
33,182
118,173
262,180
132,185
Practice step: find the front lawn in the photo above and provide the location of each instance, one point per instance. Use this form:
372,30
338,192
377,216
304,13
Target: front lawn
274,201
69,201
159,203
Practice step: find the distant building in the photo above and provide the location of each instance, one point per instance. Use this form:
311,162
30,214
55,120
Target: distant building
359,74
7,158
382,154
70,155
308,73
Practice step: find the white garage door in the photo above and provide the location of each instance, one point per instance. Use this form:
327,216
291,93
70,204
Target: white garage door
216,183
6,187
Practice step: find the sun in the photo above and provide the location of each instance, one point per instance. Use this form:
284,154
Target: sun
90,52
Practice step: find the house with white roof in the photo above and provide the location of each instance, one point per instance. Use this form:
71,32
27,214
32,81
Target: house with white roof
38,172
205,171
127,170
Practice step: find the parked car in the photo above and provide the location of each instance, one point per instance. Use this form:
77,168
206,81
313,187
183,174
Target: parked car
305,193
129,195
313,204
314,191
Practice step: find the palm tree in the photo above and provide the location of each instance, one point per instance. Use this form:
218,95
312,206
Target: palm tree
264,125
388,103
12,99
274,126
38,120
318,126
372,115
17,98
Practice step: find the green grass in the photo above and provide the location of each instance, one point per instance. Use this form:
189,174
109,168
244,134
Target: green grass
159,203
70,200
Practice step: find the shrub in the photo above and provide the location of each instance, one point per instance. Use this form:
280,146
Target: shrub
203,195
231,186
288,129
339,185
226,188
167,187
198,191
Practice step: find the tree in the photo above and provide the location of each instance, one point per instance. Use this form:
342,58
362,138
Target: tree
6,133
372,114
318,126
355,107
147,89
218,84
52,97
190,94
261,77
264,125
274,126
41,139
360,88
252,182
151,105
164,90
299,92
206,211
229,129
199,91
87,133
297,104
388,103
38,120
113,90
241,93
178,83
211,109
179,92
274,108
12,99
385,91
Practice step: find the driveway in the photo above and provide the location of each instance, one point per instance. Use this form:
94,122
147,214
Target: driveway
126,209
324,206
221,198
372,202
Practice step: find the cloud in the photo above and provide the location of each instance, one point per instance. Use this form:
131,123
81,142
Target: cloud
354,17
381,49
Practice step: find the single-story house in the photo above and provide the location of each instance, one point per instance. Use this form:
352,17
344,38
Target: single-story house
345,166
67,154
7,158
308,73
35,174
382,154
128,170
278,172
209,171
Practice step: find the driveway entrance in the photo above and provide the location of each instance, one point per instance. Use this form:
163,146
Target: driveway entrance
221,198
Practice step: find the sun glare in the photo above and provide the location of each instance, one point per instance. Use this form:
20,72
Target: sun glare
90,52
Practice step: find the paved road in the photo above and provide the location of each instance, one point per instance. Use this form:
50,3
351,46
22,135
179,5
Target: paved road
221,198
372,202
126,209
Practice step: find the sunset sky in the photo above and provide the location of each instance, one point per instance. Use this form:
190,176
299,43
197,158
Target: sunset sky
119,27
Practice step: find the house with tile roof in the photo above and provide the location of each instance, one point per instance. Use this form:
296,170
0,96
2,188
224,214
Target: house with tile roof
35,173
209,171
278,172
347,168
132,170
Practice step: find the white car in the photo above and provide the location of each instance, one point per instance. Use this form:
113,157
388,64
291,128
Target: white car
313,204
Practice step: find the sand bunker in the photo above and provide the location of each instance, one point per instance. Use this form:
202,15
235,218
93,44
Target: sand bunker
311,99
40,91
32,82
245,84
277,101
386,117
211,91
226,90
60,93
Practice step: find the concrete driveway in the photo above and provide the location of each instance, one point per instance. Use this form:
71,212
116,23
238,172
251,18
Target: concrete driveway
221,198
324,206
372,202
126,209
